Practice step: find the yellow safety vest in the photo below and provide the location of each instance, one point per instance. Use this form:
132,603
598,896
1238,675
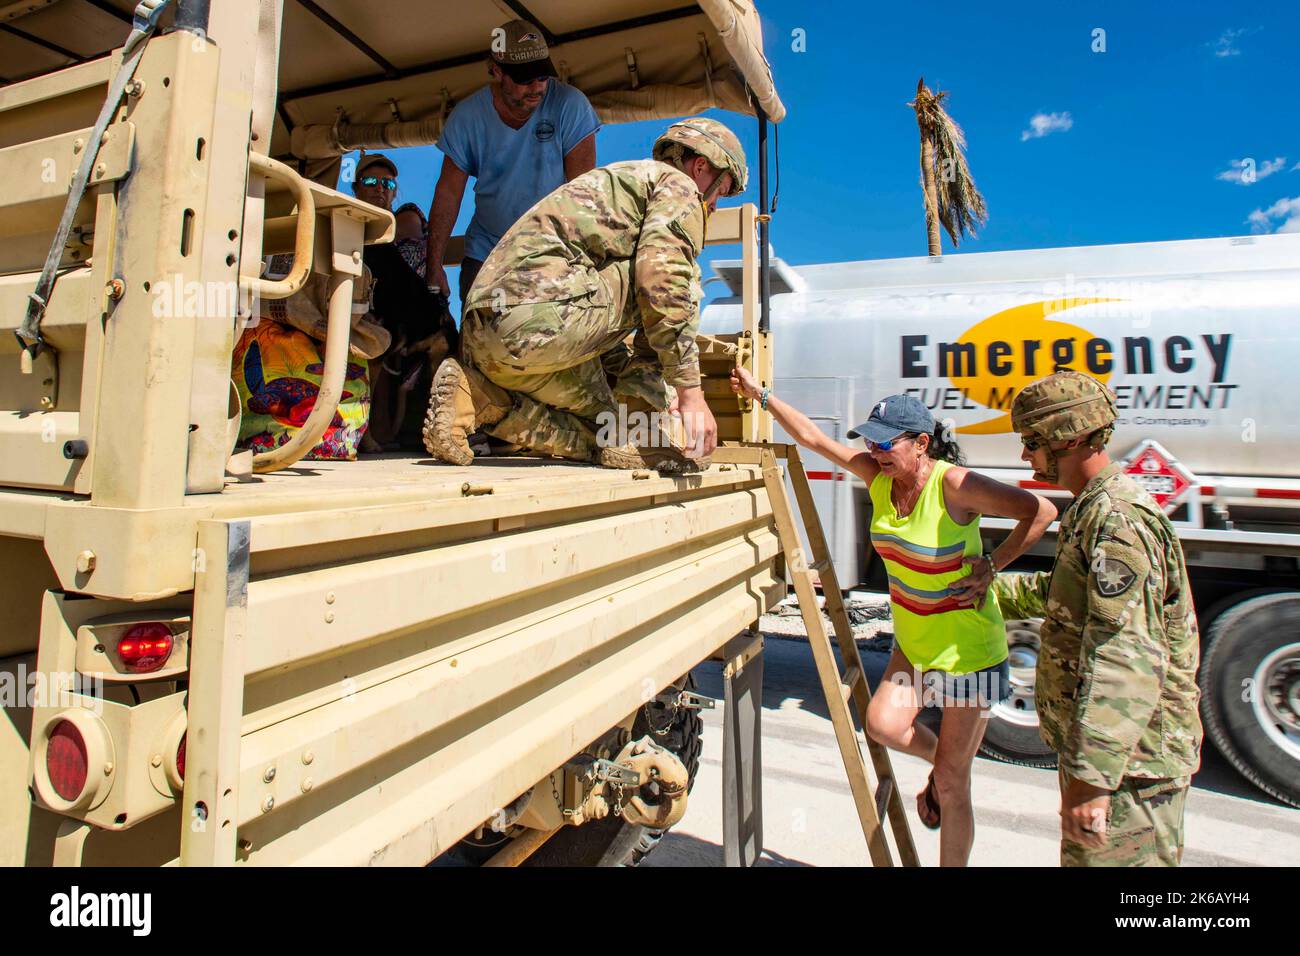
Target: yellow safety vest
923,555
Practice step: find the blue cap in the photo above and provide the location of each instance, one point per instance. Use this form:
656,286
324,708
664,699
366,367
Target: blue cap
894,416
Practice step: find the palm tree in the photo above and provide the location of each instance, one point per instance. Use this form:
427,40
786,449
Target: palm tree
951,198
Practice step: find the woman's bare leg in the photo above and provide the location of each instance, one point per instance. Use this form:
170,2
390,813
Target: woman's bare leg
959,739
891,718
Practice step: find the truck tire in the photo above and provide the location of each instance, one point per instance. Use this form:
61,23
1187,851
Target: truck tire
1250,691
612,841
1012,734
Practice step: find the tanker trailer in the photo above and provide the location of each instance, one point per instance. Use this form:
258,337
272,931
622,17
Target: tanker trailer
1196,338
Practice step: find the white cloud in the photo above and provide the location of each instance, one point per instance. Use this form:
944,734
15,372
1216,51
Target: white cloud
1226,45
1243,172
1286,211
1041,124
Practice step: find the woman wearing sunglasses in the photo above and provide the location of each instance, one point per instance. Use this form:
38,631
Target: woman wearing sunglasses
950,644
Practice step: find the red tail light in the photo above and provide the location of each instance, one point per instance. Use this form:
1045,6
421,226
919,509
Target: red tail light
180,758
145,647
66,760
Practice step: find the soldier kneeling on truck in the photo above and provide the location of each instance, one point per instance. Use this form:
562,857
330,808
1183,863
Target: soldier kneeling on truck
611,254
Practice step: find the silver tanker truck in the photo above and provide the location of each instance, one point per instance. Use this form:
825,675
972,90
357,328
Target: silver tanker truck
1200,341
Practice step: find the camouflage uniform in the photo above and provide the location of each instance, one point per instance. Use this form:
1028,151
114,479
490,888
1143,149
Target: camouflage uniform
1144,826
1116,680
608,255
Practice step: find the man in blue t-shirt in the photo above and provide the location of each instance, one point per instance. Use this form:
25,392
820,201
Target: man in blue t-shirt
522,136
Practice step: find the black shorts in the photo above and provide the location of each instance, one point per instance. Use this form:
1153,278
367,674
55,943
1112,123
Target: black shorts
982,688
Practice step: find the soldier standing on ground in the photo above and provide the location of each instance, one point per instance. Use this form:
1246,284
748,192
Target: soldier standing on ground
1116,683
606,256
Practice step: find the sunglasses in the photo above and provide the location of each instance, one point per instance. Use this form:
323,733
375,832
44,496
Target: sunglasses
386,181
1032,444
886,445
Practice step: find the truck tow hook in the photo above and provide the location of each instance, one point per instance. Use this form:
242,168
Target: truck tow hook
659,799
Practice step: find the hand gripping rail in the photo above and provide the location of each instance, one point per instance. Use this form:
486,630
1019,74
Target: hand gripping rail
338,329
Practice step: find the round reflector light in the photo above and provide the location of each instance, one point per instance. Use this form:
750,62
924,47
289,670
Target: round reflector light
145,647
66,760
180,758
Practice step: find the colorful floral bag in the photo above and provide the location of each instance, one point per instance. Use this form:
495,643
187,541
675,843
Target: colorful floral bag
278,364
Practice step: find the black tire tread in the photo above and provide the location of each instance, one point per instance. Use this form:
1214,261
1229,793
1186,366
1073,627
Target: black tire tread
1210,714
1018,759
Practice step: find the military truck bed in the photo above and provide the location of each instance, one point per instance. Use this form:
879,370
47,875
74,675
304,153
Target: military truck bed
370,658
393,478
415,628
312,485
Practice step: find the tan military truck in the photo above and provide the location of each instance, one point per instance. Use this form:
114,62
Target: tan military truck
213,658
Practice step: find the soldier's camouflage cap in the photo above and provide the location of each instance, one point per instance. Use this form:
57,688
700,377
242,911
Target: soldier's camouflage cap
1063,406
710,139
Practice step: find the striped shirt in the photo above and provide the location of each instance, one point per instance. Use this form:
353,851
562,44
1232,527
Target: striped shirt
923,554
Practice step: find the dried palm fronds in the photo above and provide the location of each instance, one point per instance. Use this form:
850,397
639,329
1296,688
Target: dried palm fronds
951,197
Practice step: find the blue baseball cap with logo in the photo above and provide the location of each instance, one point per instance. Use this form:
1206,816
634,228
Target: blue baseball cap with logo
894,416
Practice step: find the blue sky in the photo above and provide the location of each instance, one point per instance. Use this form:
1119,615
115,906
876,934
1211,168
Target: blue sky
1154,123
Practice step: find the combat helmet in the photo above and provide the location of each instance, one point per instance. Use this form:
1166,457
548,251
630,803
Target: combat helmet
710,139
1063,406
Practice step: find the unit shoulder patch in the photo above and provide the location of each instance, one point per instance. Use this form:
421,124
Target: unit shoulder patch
1114,577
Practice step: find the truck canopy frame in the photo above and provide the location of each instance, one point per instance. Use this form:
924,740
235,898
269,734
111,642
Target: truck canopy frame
348,78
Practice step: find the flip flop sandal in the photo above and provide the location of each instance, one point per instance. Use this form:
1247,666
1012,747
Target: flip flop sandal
931,804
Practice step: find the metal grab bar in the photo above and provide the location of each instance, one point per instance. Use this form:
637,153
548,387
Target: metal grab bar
348,232
338,332
304,236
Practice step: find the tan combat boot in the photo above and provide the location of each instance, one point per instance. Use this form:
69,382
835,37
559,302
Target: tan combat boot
460,401
665,453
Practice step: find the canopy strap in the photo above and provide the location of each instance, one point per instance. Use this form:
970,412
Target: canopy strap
708,68
632,72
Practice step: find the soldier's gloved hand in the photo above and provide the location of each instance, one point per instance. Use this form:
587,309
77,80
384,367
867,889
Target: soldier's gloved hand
697,419
1084,809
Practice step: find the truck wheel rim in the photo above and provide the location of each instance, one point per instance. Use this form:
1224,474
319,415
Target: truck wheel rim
1022,663
1276,698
